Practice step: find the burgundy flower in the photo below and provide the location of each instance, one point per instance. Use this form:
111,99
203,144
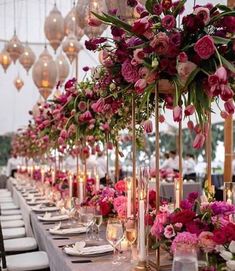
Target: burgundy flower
141,25
160,43
229,107
199,141
169,22
93,44
166,4
86,69
219,237
189,110
182,57
205,47
157,9
132,3
177,113
183,217
226,93
203,13
98,106
85,117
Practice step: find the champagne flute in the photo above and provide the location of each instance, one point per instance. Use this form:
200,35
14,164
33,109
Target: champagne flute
98,222
131,233
114,235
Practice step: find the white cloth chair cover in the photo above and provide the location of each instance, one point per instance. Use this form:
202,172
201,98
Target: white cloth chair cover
8,206
10,217
20,244
5,194
13,233
12,224
27,261
6,200
11,212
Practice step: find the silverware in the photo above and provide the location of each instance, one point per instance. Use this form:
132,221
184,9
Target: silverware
82,261
61,238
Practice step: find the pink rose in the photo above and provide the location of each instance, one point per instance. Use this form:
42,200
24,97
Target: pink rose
140,85
148,126
82,106
169,231
199,141
129,72
203,13
184,69
160,43
168,22
182,57
139,55
177,113
205,47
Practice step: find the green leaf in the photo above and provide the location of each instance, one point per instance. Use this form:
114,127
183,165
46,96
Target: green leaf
216,18
219,40
228,64
179,7
102,18
223,7
149,6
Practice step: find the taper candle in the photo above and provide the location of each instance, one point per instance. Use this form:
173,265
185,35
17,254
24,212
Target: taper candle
97,182
81,193
177,194
229,197
70,185
142,252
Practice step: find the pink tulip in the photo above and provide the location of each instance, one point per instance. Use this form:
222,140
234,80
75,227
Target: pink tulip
229,107
148,126
85,117
177,113
98,106
60,141
105,127
64,134
140,85
226,93
199,141
224,114
221,73
190,125
189,110
197,128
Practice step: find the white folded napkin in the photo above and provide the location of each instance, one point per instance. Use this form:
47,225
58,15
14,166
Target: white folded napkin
67,231
41,208
88,250
53,218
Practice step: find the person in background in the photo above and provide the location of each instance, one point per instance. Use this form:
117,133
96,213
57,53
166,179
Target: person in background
174,161
12,164
189,167
165,163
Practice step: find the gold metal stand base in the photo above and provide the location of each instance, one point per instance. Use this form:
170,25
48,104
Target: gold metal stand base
143,266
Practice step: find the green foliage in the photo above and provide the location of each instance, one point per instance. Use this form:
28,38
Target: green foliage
5,147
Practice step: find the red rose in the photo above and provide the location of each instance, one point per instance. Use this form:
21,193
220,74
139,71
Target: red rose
205,47
229,232
219,237
105,208
183,217
120,186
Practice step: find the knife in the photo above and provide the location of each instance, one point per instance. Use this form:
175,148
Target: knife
82,261
60,238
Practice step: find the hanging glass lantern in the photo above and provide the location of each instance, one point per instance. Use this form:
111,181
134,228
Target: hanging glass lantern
15,48
54,28
45,74
71,47
94,31
19,83
70,25
5,59
62,67
28,58
123,10
85,18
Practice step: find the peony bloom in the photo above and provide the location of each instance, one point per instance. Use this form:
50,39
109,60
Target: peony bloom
199,141
177,113
160,43
229,107
202,13
184,69
148,126
169,231
140,85
168,22
205,47
206,242
189,110
129,72
184,240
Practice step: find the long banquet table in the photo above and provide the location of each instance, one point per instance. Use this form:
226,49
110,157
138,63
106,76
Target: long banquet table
52,243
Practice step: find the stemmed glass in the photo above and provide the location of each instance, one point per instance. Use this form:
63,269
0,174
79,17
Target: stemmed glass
98,222
185,259
87,220
131,233
114,235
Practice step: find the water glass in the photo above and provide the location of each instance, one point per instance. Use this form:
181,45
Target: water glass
185,259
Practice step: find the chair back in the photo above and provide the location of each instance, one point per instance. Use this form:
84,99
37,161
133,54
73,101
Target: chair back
2,249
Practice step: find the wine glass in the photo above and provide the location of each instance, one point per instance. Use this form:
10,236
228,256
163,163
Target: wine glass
131,233
98,222
114,235
87,220
185,259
